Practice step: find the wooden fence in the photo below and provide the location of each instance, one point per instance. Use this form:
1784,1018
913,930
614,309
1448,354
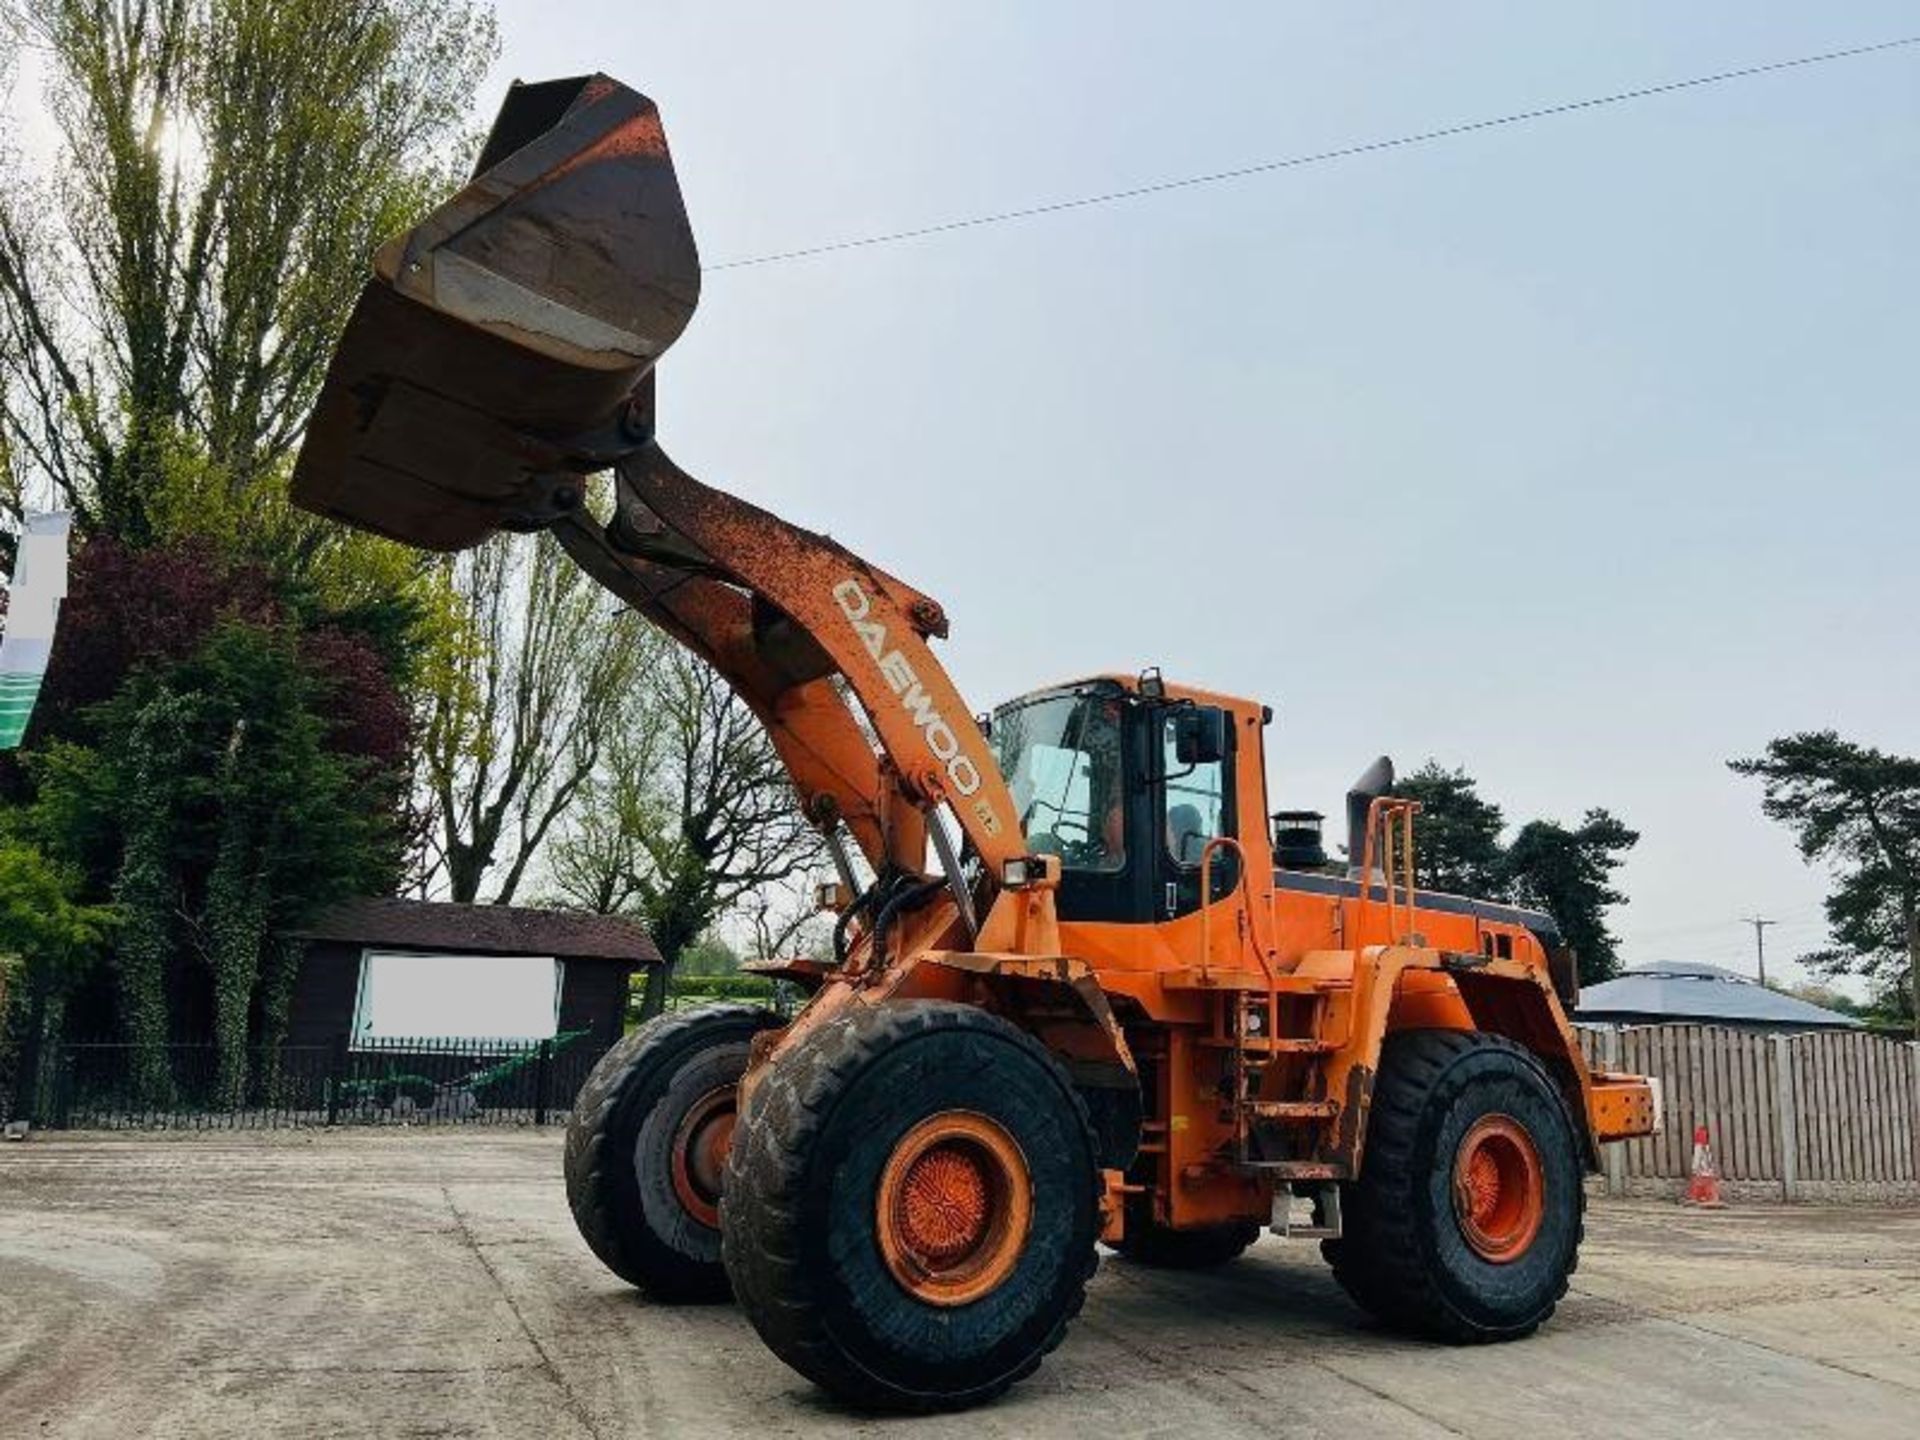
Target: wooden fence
1821,1116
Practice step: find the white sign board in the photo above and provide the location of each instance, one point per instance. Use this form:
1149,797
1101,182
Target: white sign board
467,997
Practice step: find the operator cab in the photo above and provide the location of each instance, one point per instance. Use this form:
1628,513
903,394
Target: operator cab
1127,784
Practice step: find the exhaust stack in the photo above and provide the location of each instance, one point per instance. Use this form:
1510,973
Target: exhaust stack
1376,780
492,356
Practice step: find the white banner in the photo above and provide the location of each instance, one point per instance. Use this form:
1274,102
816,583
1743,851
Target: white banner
38,586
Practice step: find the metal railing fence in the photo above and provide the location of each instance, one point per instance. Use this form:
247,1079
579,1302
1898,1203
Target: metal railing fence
385,1081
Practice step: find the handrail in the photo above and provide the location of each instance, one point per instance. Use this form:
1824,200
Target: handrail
1206,907
1391,816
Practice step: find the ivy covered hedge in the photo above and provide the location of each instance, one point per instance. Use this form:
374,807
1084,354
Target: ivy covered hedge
213,758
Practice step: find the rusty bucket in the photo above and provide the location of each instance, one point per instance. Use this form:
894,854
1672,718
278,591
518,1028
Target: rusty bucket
493,353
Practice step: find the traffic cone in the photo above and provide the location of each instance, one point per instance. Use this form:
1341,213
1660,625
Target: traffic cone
1703,1190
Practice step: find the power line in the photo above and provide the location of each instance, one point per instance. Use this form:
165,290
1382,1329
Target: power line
1813,915
1731,952
1321,157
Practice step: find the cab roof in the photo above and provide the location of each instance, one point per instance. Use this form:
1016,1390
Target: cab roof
1130,684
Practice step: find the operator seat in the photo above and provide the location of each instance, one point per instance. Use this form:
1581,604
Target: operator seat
1186,833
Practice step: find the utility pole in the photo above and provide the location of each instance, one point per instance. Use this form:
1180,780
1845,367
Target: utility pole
1760,941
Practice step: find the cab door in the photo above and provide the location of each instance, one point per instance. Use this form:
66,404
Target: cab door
1193,802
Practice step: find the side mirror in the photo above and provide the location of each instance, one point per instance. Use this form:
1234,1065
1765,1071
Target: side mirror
1200,735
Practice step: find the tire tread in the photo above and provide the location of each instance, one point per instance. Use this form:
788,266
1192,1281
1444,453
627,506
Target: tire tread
784,1119
1379,1261
590,1151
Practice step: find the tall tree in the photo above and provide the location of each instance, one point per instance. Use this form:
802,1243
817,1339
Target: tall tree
147,889
281,834
1857,809
519,714
224,737
1568,873
693,821
170,292
1456,835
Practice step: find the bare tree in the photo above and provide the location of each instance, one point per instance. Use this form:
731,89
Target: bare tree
692,821
543,669
782,921
596,862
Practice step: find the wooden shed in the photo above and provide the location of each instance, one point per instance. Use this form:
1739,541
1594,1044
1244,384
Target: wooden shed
429,970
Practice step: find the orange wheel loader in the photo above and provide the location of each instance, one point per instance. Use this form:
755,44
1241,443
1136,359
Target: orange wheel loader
1077,993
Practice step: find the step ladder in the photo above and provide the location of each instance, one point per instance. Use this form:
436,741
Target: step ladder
1280,1031
1285,1033
1278,1036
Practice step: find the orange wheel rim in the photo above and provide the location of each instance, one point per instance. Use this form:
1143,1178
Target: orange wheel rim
700,1145
1499,1191
954,1207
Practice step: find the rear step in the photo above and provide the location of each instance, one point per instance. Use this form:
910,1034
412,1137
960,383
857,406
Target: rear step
1322,1221
1293,1111
1295,1169
1255,1045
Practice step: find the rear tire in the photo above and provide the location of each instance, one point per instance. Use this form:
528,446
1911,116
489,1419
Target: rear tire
895,1286
642,1157
1466,1220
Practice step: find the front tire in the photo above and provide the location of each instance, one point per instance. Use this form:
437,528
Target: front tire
1465,1223
910,1213
646,1149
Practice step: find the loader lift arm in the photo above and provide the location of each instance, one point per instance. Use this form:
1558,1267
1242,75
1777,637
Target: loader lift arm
787,617
503,350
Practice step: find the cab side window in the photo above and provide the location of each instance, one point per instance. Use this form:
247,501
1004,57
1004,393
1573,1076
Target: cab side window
1193,811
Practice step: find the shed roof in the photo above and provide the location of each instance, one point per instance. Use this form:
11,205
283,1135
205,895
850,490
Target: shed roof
483,930
1680,990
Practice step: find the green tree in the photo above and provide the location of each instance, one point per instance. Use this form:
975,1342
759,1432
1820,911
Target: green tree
171,284
149,756
170,292
1456,835
281,830
1857,810
709,955
48,934
1568,874
223,817
1458,847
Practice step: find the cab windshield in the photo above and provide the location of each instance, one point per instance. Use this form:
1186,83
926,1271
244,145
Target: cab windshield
1061,757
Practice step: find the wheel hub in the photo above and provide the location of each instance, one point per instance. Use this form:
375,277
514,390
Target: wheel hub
1499,1192
943,1204
954,1207
700,1144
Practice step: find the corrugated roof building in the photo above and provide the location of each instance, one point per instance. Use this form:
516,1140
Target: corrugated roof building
1678,993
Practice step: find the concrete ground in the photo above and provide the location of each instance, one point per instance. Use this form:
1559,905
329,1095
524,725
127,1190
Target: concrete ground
401,1284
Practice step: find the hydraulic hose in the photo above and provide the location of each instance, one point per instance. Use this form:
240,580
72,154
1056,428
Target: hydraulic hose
904,898
862,903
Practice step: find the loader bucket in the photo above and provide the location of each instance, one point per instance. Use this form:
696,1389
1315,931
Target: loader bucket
499,340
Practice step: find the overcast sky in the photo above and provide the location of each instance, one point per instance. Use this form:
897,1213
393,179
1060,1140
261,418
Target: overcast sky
1578,453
